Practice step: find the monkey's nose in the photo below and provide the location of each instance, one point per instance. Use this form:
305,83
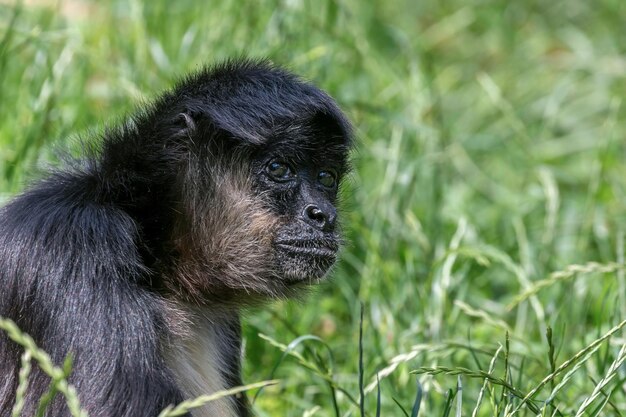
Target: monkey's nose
323,220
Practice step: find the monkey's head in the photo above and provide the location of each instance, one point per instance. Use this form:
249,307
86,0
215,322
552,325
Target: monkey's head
259,157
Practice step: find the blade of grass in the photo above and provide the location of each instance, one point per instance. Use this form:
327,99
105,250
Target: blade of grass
188,405
582,354
361,368
22,386
481,393
418,400
45,363
610,374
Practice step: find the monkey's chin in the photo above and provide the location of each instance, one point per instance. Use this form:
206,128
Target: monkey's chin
301,264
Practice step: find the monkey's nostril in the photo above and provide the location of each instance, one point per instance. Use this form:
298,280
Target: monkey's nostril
314,213
319,218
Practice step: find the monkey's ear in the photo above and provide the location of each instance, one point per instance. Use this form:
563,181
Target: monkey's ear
184,125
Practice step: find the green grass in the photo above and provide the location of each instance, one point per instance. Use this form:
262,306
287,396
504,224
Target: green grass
486,215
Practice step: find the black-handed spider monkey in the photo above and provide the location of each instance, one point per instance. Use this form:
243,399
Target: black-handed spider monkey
138,259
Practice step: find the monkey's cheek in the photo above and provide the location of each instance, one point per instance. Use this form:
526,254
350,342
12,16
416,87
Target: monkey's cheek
297,266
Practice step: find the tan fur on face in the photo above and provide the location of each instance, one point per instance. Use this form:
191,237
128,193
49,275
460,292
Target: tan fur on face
224,237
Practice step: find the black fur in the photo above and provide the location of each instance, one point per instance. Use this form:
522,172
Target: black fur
102,259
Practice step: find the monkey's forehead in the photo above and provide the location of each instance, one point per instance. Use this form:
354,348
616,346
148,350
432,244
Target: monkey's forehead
307,147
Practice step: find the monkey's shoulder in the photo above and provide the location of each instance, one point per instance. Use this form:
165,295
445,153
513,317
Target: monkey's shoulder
59,223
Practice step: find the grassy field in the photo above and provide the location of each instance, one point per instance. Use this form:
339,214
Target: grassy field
486,214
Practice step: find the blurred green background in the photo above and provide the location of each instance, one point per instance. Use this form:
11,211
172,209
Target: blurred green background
487,198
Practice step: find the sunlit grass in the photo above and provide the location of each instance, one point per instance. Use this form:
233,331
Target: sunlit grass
488,196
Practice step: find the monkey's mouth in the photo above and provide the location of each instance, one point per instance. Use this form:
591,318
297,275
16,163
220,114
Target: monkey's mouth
313,248
305,260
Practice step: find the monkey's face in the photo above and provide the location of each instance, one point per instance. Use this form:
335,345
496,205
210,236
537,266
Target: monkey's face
305,244
301,189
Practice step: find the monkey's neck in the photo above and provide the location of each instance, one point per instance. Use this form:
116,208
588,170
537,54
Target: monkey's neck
206,359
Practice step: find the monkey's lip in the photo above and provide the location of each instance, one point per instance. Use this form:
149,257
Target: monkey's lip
322,249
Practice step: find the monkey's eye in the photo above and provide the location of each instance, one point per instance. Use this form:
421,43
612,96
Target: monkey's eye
327,178
279,171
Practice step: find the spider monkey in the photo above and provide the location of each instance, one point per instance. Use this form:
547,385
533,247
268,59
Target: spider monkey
138,258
